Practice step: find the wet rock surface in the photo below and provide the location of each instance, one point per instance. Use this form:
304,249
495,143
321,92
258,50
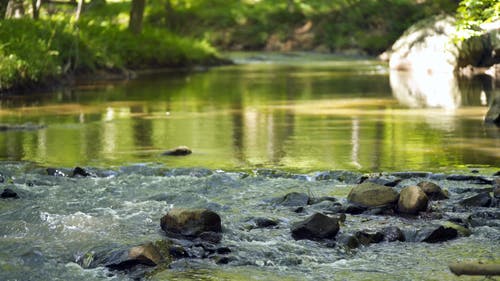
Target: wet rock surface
371,195
412,200
315,227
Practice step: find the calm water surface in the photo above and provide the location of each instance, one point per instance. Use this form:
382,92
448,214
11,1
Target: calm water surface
294,112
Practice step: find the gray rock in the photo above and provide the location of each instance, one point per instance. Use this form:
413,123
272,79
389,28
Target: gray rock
479,200
9,193
317,226
393,233
433,191
190,222
295,199
412,200
372,195
436,234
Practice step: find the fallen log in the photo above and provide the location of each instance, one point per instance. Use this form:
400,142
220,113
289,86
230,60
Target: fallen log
475,268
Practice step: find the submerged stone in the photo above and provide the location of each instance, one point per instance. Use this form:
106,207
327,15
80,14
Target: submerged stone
317,226
178,151
80,172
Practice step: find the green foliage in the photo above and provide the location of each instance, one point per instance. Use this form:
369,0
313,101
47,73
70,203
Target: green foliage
34,52
472,13
369,25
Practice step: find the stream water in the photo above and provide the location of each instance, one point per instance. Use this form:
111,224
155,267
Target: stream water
298,113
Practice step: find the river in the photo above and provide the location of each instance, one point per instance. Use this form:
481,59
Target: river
299,113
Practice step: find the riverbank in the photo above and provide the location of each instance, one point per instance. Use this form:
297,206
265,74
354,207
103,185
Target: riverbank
47,52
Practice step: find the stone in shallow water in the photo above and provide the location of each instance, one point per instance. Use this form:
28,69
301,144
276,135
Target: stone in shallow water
479,200
317,226
178,151
372,195
295,199
9,193
393,233
191,222
436,234
412,200
432,190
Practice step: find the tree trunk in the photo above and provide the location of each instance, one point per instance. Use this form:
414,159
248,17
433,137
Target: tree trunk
136,15
15,9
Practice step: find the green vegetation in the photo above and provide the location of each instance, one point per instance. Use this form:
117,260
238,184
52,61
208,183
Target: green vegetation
472,13
182,32
365,26
34,52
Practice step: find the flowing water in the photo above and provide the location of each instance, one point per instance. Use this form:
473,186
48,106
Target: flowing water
299,113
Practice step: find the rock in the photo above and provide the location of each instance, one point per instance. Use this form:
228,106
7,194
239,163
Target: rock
264,222
190,222
475,268
317,226
80,172
479,200
328,207
436,234
342,176
366,237
123,258
371,195
425,47
349,241
178,151
433,191
295,199
322,199
412,200
393,233
8,193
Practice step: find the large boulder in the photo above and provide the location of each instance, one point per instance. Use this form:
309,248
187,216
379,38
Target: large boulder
191,223
316,227
433,191
372,195
426,47
412,200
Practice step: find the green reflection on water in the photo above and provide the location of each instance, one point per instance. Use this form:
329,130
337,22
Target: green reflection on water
297,113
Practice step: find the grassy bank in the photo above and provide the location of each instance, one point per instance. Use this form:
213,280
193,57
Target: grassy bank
33,53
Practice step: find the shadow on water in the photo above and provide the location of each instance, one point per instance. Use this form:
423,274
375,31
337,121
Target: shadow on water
306,112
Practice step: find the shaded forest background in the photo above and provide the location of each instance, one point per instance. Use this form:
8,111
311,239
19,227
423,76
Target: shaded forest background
42,41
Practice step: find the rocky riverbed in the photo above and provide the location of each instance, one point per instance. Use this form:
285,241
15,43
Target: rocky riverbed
152,222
